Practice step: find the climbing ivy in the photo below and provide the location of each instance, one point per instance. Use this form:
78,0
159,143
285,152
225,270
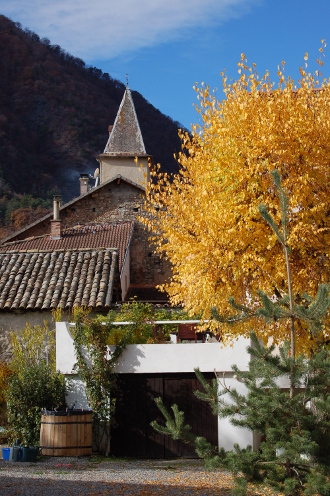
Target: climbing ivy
91,347
96,364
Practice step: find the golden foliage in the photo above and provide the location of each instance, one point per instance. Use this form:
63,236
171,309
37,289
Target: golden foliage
5,373
57,315
33,344
206,218
24,216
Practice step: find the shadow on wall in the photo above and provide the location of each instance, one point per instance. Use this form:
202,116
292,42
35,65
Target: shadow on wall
76,396
131,360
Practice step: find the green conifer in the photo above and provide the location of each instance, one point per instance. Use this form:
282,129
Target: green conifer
287,401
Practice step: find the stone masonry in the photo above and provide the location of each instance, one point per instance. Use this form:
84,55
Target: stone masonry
112,202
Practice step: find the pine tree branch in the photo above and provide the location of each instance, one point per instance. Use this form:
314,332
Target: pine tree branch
174,426
269,219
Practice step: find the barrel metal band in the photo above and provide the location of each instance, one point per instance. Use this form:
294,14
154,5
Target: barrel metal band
65,447
66,423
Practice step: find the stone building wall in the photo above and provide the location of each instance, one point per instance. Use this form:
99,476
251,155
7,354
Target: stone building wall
115,201
15,322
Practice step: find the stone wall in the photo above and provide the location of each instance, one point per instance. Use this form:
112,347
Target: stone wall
16,321
116,201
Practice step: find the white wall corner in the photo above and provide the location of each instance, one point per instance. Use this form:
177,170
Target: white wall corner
65,354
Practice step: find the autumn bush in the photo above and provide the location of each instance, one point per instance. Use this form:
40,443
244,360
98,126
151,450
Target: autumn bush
5,373
34,388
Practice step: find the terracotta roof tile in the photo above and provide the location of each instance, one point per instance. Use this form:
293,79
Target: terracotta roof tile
64,279
80,237
76,201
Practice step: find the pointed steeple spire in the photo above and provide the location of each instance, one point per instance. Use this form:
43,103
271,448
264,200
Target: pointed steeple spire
126,137
125,154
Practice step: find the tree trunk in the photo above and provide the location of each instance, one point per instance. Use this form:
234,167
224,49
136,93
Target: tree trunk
292,333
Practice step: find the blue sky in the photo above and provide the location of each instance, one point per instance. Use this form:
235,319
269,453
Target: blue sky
167,46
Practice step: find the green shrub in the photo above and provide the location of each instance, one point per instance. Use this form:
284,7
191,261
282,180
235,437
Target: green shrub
36,387
293,422
34,383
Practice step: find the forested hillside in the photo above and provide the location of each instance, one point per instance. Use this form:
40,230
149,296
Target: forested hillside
54,118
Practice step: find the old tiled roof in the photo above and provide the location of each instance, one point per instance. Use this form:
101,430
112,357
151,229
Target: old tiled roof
125,137
58,279
80,237
146,293
91,192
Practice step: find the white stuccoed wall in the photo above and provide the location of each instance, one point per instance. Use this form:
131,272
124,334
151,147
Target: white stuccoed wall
166,358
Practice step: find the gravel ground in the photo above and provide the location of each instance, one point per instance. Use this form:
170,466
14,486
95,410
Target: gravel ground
96,476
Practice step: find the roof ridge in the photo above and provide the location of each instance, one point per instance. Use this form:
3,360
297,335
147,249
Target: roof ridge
66,230
31,238
62,250
66,205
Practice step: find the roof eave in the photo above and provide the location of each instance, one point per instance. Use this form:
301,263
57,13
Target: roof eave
123,154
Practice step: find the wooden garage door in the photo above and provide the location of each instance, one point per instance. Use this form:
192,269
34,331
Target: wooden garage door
135,409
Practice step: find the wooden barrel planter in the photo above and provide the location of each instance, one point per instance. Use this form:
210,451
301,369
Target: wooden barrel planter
67,433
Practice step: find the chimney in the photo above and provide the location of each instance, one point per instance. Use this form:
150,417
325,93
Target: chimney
84,183
55,223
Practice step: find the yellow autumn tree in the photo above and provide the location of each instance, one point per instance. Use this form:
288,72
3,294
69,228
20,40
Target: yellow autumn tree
206,219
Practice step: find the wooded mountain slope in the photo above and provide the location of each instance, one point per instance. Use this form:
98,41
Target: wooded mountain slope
54,116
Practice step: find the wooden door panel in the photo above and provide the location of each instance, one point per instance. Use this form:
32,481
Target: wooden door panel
135,409
155,440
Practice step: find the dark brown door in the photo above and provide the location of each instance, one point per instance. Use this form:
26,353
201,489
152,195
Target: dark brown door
135,409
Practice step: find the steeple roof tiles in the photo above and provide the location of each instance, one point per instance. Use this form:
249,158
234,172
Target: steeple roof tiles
125,137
